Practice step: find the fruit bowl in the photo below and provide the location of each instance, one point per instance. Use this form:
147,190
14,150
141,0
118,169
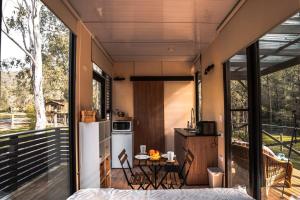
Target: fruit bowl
154,154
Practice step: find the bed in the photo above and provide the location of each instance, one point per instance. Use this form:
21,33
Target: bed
177,194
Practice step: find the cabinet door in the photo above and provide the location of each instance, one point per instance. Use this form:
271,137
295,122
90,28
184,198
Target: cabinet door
179,144
89,155
205,150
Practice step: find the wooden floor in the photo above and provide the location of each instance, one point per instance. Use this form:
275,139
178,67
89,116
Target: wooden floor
118,181
289,193
52,185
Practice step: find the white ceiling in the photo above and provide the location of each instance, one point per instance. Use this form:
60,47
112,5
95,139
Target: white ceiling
143,30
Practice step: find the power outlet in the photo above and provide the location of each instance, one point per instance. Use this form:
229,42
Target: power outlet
221,118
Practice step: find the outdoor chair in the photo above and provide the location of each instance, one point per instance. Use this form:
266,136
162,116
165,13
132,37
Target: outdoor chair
274,168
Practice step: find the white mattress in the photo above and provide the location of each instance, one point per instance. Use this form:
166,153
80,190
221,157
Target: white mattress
182,194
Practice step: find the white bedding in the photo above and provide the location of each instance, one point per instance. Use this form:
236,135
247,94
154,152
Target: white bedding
182,194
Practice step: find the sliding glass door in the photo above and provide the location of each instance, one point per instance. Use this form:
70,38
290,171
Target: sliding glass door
262,95
242,120
237,105
280,91
36,103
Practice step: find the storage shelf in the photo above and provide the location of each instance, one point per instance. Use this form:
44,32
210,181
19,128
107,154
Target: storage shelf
105,139
95,146
102,160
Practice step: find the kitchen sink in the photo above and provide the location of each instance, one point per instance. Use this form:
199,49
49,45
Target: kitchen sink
189,129
192,130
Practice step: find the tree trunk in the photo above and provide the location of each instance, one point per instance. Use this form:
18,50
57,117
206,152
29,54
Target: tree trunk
37,69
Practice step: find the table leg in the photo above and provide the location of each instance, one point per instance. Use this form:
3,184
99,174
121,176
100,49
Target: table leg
161,181
157,168
155,175
150,182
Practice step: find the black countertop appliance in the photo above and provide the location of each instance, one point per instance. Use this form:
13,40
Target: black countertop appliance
207,128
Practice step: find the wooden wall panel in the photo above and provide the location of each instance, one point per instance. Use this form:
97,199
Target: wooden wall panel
149,115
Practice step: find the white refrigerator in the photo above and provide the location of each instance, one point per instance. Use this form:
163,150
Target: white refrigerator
121,140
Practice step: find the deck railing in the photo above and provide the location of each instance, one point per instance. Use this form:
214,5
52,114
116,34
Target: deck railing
269,130
26,155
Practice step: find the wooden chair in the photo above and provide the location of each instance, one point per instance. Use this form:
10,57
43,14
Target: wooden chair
134,179
176,176
274,169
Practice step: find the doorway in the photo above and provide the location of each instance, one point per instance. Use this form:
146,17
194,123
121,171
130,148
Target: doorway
242,120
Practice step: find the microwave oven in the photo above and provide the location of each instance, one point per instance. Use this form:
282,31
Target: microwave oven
120,126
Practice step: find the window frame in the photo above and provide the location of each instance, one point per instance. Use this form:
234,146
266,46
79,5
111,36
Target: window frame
101,79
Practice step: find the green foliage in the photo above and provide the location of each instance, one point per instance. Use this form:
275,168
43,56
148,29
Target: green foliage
4,102
279,92
18,86
30,113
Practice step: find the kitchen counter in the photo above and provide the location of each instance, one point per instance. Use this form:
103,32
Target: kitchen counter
205,150
187,133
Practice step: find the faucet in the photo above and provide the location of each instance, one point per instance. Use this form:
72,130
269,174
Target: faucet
192,118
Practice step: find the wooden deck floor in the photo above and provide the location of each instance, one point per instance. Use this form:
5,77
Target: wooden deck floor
289,193
52,185
275,191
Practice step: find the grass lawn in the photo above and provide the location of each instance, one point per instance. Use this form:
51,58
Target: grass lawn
14,130
5,116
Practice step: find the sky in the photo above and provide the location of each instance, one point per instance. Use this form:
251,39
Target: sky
8,48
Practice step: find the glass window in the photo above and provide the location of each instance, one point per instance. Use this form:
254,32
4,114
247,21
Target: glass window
102,93
198,85
238,92
98,98
34,102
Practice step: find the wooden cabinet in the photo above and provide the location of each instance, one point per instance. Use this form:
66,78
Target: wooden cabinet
205,150
94,150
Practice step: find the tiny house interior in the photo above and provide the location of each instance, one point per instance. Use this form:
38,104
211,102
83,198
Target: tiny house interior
140,99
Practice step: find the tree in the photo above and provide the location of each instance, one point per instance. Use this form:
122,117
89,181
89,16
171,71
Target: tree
26,20
45,42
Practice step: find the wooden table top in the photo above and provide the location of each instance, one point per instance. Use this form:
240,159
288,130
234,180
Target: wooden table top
161,162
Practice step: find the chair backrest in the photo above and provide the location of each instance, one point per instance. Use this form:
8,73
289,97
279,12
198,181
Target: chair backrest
123,157
188,160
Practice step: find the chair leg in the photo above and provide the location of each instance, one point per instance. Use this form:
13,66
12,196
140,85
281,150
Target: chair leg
131,186
140,186
163,186
147,186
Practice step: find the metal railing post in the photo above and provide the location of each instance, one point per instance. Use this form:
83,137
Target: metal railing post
57,138
28,154
13,156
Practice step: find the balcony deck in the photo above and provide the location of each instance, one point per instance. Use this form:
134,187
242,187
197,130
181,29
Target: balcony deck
289,193
50,185
33,164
